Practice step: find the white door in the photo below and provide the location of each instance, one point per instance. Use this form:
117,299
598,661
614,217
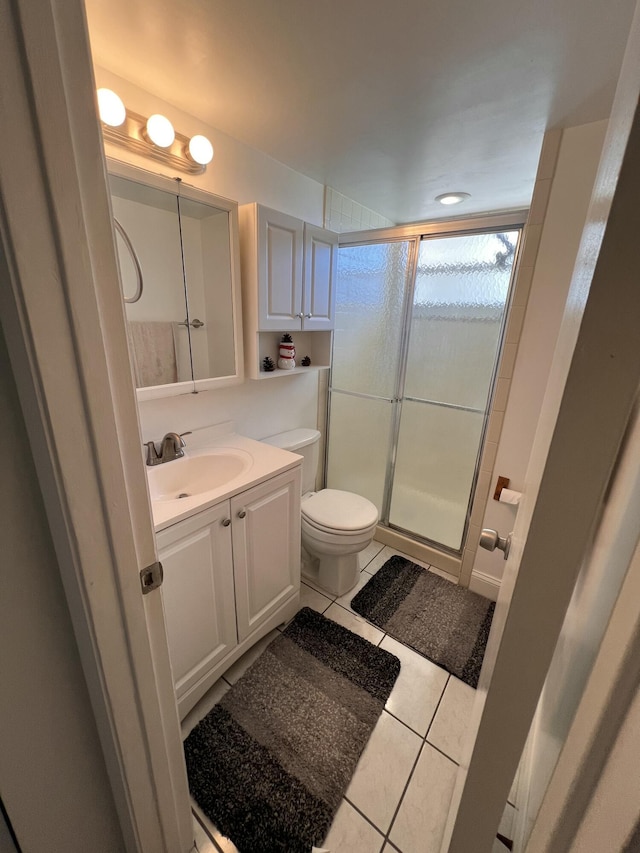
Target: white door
198,597
266,548
280,239
68,349
320,271
594,381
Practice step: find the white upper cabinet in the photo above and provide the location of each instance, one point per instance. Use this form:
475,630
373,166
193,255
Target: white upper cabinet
280,246
320,270
289,271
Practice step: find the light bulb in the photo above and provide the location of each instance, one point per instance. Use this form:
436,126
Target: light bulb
200,150
160,131
452,198
112,110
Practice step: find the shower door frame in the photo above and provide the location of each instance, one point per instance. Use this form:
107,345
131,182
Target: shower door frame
414,234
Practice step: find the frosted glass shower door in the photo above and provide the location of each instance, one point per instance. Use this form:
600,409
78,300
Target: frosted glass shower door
370,318
459,303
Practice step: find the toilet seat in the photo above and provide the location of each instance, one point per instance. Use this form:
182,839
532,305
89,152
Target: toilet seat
335,511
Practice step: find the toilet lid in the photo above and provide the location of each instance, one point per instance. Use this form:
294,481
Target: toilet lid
337,510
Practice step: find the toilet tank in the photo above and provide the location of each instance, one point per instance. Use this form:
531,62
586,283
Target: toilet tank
306,443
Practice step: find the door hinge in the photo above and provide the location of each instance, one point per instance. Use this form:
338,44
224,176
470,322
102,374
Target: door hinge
151,577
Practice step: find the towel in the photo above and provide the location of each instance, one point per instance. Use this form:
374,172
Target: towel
154,353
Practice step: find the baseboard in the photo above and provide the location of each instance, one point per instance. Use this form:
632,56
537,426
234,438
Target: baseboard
484,585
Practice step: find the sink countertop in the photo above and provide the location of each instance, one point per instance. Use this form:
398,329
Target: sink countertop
267,462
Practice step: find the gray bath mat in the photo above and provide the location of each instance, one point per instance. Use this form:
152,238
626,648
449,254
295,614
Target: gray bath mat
444,622
271,762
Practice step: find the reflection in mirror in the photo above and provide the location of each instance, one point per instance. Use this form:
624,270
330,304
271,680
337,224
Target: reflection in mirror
207,264
182,325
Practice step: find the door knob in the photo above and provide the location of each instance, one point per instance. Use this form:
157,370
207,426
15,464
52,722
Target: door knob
491,539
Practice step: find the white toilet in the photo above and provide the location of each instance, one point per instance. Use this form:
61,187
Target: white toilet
336,525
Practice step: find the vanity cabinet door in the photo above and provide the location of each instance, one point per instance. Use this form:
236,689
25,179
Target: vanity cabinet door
280,247
198,596
266,548
320,272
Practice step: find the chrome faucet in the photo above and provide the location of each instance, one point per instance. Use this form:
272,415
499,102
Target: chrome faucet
170,448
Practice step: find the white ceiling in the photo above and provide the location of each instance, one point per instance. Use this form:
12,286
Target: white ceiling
389,103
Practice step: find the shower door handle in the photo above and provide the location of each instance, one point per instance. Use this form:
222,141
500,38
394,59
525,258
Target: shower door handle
491,539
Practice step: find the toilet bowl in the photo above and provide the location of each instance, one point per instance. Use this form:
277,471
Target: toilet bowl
336,525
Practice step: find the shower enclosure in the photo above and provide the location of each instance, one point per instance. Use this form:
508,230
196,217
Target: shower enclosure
419,325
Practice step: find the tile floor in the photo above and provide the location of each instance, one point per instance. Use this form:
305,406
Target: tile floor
398,799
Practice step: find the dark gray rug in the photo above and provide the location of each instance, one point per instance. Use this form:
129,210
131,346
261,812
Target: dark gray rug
444,622
271,762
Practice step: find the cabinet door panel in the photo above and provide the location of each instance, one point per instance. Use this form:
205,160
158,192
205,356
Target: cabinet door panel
266,548
280,239
198,594
320,269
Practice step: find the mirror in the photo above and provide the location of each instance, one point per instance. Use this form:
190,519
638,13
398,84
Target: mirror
178,256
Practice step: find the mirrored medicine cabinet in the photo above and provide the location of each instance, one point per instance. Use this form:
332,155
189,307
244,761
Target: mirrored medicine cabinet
178,254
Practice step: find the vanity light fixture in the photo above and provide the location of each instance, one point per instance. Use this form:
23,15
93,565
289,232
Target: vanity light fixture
452,198
154,137
111,108
160,131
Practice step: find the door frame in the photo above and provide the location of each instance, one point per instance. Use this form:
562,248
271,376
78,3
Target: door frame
588,405
63,320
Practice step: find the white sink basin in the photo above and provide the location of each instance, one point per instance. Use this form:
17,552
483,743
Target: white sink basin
196,474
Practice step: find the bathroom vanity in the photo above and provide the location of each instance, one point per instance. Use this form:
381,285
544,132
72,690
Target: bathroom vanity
230,550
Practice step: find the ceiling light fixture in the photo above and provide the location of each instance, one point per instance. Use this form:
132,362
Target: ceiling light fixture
154,137
452,198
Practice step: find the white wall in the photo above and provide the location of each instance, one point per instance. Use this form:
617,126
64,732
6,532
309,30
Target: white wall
571,188
237,171
52,774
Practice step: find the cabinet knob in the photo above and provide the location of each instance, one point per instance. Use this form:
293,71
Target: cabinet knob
226,522
299,316
308,316
242,513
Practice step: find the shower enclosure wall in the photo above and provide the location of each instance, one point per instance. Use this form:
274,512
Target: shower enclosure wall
419,325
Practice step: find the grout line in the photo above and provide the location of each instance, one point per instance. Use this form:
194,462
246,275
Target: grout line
437,708
204,829
404,791
368,819
406,725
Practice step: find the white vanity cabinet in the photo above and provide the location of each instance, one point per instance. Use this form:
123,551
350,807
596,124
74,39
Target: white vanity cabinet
231,574
266,549
198,595
289,270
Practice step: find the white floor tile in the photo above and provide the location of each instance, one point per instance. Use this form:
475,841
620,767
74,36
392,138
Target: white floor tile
238,669
365,557
449,727
420,822
383,770
309,582
417,691
381,558
220,842
351,833
203,843
354,623
310,597
345,600
213,695
387,552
